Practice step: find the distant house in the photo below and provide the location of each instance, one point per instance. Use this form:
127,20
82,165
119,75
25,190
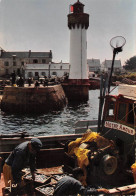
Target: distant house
94,65
50,69
15,61
106,66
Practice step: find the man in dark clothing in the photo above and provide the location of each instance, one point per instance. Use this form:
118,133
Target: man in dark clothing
13,75
23,155
70,186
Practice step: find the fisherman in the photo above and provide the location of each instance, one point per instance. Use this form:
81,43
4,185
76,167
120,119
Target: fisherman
23,154
71,186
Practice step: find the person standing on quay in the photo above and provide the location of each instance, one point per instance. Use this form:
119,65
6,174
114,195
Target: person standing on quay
24,154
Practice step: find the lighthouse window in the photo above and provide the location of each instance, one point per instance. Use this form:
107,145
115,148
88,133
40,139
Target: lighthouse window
122,111
130,118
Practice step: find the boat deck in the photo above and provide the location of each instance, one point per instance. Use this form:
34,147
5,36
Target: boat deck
2,184
46,171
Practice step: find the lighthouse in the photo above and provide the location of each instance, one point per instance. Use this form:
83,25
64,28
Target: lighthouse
78,23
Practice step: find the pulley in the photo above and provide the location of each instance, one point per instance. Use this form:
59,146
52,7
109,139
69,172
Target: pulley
109,164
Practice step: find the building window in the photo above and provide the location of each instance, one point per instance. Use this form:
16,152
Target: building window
7,71
14,57
30,74
54,73
61,67
65,73
36,74
22,63
43,60
14,63
6,63
35,61
18,71
43,73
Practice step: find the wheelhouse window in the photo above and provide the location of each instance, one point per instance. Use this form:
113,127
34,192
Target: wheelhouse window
111,109
122,111
130,118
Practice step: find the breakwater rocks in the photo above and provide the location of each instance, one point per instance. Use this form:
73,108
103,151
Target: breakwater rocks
33,100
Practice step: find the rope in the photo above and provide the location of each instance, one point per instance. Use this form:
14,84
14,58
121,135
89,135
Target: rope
119,191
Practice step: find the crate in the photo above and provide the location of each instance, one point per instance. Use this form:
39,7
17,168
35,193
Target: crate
47,189
39,178
58,176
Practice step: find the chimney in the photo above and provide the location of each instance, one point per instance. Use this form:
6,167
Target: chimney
50,55
1,51
29,53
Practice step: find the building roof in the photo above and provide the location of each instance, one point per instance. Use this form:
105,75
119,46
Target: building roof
93,62
108,63
24,54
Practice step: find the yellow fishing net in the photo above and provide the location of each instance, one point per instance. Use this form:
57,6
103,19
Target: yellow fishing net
87,137
133,168
82,154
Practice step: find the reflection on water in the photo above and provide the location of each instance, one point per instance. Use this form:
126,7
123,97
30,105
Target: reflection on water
52,123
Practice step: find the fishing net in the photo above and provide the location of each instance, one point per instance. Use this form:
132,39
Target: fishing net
133,168
81,154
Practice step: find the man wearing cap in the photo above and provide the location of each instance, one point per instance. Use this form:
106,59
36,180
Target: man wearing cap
22,156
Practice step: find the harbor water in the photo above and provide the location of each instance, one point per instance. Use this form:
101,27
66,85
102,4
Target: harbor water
52,123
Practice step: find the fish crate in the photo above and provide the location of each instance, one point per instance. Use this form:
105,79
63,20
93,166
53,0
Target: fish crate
47,189
39,178
53,181
57,177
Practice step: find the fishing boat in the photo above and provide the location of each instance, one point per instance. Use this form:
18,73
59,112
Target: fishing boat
109,169
105,151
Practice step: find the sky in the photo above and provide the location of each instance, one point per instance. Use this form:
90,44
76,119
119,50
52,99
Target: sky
41,25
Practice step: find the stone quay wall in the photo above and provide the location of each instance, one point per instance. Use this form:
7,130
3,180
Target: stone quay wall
33,100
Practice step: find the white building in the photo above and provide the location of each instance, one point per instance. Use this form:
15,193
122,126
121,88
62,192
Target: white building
15,61
94,65
50,69
106,66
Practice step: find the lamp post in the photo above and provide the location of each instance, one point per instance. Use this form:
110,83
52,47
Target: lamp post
49,74
117,44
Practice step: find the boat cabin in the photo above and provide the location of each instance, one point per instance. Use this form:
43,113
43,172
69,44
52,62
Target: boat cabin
119,121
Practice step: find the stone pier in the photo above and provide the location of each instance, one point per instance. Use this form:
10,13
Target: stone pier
33,100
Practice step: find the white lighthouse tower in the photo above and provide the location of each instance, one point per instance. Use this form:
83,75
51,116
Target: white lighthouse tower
78,23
